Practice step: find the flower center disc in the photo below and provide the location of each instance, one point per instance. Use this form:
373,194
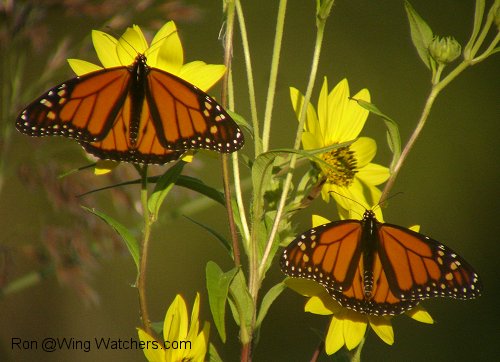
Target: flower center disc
343,165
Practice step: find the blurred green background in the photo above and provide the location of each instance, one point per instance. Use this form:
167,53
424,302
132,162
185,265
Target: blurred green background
449,184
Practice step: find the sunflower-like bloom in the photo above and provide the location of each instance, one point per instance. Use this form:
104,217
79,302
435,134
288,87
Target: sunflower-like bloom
182,340
165,52
348,171
347,327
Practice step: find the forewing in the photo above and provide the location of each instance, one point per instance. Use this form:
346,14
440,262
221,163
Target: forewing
187,118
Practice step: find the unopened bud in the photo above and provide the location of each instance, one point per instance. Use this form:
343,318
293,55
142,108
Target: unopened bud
444,50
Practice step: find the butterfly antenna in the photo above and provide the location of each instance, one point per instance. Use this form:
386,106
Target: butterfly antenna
381,202
158,42
348,198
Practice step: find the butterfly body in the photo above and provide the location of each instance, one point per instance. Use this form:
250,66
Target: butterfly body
378,268
132,113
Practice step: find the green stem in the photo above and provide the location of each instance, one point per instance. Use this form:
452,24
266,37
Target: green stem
228,94
356,354
488,51
484,31
435,90
411,142
229,208
298,138
251,87
273,74
146,233
239,201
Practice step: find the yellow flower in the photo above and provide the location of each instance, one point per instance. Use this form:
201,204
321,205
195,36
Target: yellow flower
181,341
347,327
351,174
165,52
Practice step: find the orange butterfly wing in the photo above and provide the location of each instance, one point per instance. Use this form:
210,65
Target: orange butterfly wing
419,267
407,267
136,114
185,117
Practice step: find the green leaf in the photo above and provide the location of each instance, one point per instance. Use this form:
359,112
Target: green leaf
128,238
227,245
478,19
188,182
218,287
421,34
213,355
241,305
393,136
268,300
241,121
163,187
199,186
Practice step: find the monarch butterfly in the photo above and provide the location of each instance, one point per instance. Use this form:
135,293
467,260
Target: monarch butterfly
376,268
132,113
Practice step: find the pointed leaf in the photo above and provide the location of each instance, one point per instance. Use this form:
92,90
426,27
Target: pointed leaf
199,186
421,34
227,245
268,300
218,287
213,355
128,238
393,136
241,304
241,121
163,187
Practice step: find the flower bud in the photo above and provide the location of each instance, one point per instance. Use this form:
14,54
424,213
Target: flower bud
444,50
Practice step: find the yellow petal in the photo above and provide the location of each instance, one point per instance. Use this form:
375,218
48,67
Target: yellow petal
310,141
311,125
365,149
373,174
349,199
337,120
103,167
354,329
194,325
166,49
105,47
130,44
202,75
383,328
335,336
324,305
199,345
415,228
81,67
318,220
323,111
189,155
420,314
354,116
152,354
175,325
